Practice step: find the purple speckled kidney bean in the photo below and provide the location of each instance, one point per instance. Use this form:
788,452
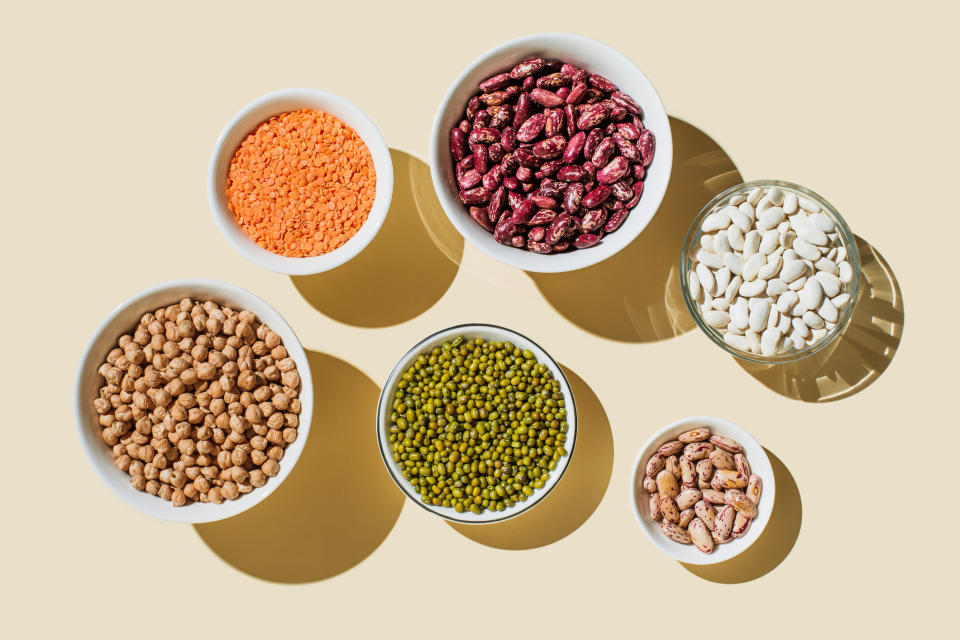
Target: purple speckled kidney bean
593,116
590,144
546,98
543,202
613,170
585,240
469,179
577,93
622,191
604,151
616,219
626,102
574,146
523,213
573,197
493,83
593,220
626,148
549,148
597,196
554,124
646,144
479,215
480,158
571,173
526,158
558,228
508,138
492,178
477,195
527,67
458,144
547,134
514,199
602,83
542,217
531,127
497,200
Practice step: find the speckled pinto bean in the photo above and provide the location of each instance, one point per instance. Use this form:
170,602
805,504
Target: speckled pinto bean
549,122
709,493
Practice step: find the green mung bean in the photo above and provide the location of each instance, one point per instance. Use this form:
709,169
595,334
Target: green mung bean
477,425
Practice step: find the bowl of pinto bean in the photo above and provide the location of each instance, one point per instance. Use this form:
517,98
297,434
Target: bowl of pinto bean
551,152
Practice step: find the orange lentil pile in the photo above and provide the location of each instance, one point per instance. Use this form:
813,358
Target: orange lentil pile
302,184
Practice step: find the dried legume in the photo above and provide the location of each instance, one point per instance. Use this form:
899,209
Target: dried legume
550,156
477,425
301,184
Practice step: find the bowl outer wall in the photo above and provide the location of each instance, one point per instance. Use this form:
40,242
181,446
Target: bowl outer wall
594,56
121,320
490,333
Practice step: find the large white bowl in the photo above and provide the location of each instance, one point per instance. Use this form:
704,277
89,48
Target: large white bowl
759,464
261,110
588,54
124,319
490,333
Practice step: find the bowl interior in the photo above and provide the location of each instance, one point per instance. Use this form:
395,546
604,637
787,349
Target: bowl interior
249,119
489,333
759,463
123,320
692,243
593,56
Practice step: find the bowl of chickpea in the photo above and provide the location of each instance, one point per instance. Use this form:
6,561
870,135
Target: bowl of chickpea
191,395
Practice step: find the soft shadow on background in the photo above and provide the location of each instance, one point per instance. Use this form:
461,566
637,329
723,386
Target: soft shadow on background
860,355
577,494
635,296
407,267
338,504
773,545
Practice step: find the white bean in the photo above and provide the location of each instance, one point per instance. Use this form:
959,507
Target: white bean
771,217
721,245
792,269
734,263
845,271
758,314
693,283
769,241
769,341
753,288
716,318
709,259
808,205
806,250
832,285
751,243
735,238
812,234
790,203
776,286
740,314
827,311
737,341
754,196
715,221
787,301
841,300
707,280
771,268
823,222
812,320
752,267
723,279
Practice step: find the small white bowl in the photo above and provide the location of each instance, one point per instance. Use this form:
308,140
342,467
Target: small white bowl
588,54
490,333
759,464
124,319
261,110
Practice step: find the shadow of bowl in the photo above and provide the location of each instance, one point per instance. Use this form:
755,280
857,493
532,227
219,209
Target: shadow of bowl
574,498
773,545
337,506
406,268
860,355
635,296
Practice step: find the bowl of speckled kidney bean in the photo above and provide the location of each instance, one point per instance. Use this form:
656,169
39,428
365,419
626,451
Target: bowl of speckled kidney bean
551,152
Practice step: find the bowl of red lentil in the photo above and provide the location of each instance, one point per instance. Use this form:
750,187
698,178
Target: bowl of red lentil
300,181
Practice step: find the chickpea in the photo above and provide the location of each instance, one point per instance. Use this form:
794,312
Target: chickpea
146,453
139,482
246,399
275,421
123,413
123,462
238,456
189,376
259,443
271,467
150,472
160,461
153,487
258,478
135,468
289,435
290,379
230,490
258,457
178,498
275,453
109,437
192,473
165,492
247,380
281,401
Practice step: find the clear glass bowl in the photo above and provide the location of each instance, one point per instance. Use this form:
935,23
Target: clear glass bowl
691,245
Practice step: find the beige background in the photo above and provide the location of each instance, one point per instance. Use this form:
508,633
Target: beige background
109,115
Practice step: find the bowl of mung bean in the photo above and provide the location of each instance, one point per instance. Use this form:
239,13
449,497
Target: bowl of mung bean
476,423
193,400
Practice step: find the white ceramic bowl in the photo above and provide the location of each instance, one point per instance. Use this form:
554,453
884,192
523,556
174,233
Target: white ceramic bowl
124,319
759,464
490,333
261,110
588,54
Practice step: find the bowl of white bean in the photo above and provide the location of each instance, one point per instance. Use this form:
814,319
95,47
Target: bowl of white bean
772,271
